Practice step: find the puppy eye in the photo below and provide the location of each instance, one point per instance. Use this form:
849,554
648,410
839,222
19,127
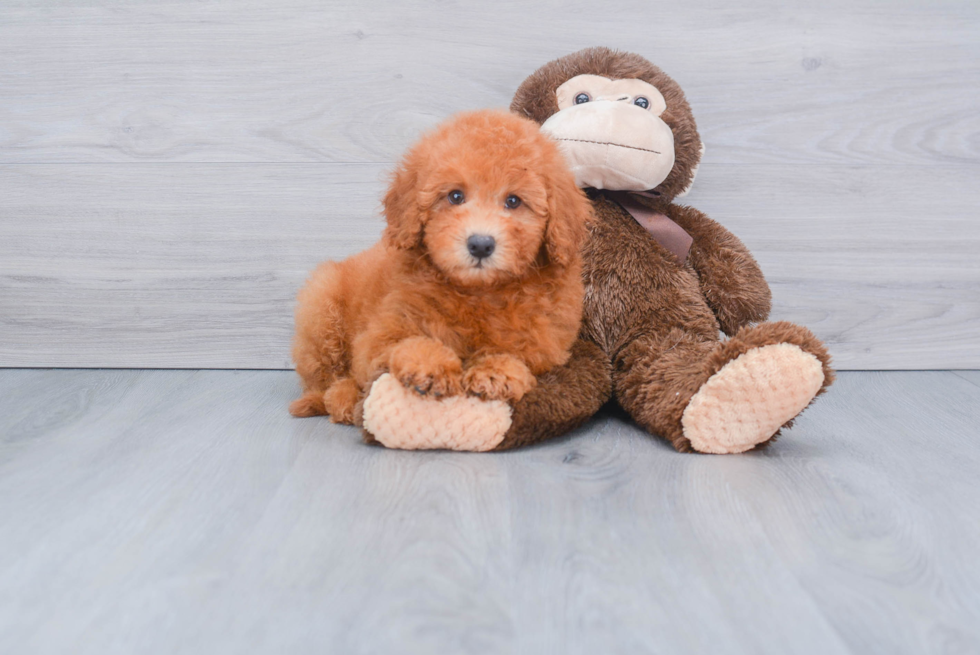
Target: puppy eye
641,102
582,98
456,197
512,202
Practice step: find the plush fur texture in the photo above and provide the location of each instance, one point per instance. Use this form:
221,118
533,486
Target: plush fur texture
420,306
564,398
657,321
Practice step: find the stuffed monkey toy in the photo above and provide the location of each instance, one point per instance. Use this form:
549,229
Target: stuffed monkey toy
662,281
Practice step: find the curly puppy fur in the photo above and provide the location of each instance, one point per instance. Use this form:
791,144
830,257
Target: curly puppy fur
420,305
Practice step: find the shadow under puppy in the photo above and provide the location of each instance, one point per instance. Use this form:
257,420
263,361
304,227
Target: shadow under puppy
475,286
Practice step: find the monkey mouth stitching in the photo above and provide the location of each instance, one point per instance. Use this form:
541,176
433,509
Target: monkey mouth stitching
610,143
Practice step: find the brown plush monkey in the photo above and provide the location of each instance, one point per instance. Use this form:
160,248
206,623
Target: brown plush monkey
661,281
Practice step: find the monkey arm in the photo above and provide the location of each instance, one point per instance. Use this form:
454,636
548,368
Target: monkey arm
730,278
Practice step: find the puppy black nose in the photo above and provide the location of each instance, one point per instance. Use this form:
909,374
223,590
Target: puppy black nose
480,245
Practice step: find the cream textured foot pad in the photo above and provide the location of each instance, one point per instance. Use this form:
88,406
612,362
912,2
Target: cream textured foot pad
751,397
400,418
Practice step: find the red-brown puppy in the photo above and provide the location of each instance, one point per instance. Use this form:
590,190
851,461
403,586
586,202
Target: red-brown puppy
475,286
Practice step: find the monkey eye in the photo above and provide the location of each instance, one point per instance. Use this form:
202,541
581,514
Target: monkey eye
456,197
512,202
641,102
582,98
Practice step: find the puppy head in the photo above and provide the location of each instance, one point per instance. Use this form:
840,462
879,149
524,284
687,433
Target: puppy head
487,197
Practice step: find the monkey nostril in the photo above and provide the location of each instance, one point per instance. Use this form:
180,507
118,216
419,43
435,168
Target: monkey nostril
481,246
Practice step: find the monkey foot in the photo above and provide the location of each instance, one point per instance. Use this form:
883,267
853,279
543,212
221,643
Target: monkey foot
399,418
751,397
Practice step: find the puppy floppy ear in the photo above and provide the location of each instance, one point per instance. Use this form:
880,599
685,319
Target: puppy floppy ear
569,211
402,209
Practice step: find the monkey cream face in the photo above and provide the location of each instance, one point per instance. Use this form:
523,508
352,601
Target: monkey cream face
611,133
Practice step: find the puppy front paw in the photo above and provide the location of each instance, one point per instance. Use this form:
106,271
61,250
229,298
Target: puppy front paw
427,367
498,377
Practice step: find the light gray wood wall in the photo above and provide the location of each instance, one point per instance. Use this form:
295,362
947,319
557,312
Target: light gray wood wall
169,171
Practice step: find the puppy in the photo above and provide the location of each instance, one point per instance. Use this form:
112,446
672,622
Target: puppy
475,286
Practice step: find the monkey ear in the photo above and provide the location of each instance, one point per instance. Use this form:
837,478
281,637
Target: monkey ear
569,211
402,208
694,172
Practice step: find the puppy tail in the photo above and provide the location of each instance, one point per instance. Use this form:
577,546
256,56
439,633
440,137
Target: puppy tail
309,404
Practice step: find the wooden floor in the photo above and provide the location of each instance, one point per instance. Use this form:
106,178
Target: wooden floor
185,512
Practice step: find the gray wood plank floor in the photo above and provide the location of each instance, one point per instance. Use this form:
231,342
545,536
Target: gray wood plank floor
184,511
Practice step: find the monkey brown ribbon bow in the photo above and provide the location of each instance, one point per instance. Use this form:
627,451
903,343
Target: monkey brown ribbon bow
664,231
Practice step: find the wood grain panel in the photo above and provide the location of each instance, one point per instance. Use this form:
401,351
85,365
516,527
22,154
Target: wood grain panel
170,266
185,511
174,168
314,81
197,265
